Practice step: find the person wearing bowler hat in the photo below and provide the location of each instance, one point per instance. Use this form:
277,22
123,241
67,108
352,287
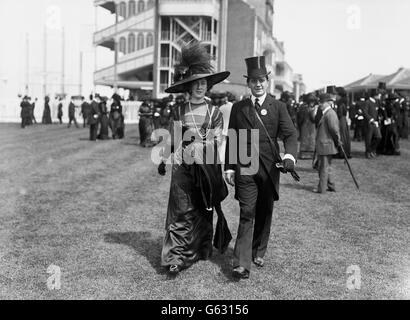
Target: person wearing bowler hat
328,142
197,185
256,180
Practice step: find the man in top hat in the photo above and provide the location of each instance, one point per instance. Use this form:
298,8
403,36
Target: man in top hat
328,143
371,123
257,191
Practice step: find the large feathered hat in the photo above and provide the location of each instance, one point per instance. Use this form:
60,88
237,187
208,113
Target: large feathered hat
195,64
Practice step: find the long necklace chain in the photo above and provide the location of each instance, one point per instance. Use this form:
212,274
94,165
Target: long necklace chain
207,130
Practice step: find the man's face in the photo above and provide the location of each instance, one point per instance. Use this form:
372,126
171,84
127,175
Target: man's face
258,86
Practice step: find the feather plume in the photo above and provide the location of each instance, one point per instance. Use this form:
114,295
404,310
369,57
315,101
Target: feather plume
195,59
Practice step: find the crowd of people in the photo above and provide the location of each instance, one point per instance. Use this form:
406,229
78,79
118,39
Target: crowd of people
318,127
95,114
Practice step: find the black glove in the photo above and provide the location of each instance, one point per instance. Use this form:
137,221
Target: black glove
288,165
162,169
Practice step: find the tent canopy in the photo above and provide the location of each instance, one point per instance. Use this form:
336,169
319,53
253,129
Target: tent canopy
398,80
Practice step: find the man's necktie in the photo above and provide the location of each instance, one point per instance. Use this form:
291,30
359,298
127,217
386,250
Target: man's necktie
257,105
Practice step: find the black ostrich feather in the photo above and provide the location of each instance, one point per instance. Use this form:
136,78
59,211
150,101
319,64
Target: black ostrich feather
195,59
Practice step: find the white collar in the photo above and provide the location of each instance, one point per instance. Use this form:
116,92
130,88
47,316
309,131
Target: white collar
326,110
261,99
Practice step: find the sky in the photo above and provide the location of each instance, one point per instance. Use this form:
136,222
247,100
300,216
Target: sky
327,41
329,45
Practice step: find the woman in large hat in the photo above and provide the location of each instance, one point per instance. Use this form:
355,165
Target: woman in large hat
197,186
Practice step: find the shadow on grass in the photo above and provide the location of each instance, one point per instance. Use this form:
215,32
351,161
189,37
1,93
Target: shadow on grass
224,261
298,186
143,243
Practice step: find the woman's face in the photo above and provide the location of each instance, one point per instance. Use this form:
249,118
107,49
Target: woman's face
199,89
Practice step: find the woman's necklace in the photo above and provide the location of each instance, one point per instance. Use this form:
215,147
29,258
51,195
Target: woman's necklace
207,130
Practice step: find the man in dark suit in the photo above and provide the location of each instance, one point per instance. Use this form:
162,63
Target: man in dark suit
85,111
256,188
328,142
371,122
95,115
71,113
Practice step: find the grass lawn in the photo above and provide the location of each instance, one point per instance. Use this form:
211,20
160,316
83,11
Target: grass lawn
97,211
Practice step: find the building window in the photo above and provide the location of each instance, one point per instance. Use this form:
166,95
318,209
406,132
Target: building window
150,4
123,45
122,9
140,41
141,6
131,8
150,40
131,43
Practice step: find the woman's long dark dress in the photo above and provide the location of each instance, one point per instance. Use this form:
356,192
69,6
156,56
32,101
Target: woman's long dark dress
46,114
104,121
189,225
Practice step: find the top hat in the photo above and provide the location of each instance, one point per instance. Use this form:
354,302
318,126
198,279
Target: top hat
256,67
331,90
195,64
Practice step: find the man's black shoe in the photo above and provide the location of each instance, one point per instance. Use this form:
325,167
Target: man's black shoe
240,273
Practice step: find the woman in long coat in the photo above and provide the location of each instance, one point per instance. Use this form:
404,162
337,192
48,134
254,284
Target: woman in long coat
104,121
197,186
47,112
307,127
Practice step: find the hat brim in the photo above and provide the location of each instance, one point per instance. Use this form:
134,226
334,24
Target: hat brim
257,75
212,79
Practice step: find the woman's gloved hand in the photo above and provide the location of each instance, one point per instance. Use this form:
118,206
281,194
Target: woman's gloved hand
162,169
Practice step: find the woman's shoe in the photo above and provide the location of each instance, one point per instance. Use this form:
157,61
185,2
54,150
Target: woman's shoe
174,269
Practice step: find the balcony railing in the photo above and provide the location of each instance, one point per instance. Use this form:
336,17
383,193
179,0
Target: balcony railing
209,8
146,18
